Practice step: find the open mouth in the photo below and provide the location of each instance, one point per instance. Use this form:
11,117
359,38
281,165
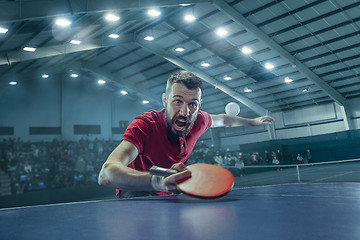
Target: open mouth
180,125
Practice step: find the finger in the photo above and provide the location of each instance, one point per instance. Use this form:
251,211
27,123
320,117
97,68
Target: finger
268,118
171,180
179,167
180,176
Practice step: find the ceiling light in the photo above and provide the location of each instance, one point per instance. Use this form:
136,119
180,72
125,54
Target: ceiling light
123,92
149,38
45,76
145,102
112,17
74,75
12,83
185,4
29,49
153,13
62,22
114,36
227,78
288,80
246,50
189,18
77,42
221,32
101,82
247,90
205,64
180,49
269,66
3,30
305,90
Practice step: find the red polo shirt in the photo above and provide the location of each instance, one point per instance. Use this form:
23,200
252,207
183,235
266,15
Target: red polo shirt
156,145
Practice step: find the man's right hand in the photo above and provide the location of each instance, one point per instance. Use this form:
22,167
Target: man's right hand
170,181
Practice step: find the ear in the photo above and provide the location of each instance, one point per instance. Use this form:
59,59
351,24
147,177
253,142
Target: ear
164,99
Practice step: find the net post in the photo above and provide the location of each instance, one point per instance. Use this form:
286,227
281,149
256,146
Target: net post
298,172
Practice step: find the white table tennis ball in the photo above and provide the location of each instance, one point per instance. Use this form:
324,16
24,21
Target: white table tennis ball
232,109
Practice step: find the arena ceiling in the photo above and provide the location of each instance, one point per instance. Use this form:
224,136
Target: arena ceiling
250,47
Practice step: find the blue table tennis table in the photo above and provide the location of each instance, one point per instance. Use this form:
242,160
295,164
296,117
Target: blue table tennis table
290,211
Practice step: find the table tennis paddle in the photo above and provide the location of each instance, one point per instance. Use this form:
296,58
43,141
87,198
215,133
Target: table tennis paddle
206,180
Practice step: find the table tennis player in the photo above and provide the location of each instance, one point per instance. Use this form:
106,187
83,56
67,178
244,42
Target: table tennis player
164,138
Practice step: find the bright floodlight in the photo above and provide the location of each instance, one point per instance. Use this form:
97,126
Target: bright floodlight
29,49
45,76
74,75
227,78
101,82
205,64
114,36
189,18
3,30
221,32
12,83
247,90
76,42
112,18
288,80
269,66
149,38
246,50
145,102
123,92
153,13
62,22
180,49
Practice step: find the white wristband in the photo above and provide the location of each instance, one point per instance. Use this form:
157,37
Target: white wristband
157,183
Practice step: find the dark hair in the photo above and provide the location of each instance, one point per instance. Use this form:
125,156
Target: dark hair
186,78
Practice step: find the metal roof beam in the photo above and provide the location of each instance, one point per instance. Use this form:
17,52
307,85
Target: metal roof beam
55,50
113,78
186,66
11,11
241,20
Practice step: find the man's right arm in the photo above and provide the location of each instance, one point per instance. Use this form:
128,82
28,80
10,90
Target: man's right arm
115,172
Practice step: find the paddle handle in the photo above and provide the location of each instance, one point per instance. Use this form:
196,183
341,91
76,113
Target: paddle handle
159,171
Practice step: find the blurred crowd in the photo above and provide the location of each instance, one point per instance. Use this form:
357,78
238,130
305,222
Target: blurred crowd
227,158
203,153
56,164
35,166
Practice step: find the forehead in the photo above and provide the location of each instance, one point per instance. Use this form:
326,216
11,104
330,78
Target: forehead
180,90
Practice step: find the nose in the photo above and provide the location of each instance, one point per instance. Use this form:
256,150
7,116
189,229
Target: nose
184,110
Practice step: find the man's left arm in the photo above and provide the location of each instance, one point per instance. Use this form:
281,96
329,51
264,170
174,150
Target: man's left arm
224,120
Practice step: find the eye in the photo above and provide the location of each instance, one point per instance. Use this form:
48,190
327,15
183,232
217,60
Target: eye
193,105
177,101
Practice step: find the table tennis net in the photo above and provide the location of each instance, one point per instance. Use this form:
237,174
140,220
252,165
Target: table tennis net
334,171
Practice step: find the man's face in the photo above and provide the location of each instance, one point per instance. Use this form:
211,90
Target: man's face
181,108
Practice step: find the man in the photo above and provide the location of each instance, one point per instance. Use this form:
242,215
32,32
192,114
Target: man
165,138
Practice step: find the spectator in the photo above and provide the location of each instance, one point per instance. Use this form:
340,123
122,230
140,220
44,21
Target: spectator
276,162
299,158
267,156
255,158
279,155
309,156
240,167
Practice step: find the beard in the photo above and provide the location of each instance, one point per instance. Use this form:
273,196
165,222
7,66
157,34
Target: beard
179,126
